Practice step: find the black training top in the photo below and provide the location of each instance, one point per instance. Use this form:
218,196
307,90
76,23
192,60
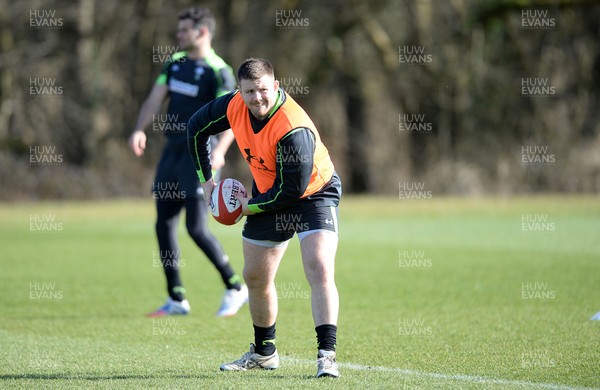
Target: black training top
192,84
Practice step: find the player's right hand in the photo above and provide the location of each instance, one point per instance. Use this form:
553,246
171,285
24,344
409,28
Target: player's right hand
244,202
137,142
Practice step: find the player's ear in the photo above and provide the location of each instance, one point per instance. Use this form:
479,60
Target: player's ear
276,84
202,31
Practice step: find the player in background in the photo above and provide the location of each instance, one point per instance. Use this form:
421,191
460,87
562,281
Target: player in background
190,79
294,180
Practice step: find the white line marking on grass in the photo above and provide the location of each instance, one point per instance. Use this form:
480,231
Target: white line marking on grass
453,377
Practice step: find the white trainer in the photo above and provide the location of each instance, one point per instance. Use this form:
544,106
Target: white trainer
326,364
233,300
251,360
171,308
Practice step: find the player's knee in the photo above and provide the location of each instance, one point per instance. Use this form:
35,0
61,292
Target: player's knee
163,226
254,278
198,232
251,278
319,271
195,232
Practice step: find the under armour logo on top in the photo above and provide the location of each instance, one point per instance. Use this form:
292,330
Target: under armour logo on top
250,158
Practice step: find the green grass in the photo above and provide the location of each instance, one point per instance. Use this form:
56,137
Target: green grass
431,297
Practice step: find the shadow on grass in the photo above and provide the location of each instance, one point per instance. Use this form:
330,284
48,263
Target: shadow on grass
99,377
288,376
91,377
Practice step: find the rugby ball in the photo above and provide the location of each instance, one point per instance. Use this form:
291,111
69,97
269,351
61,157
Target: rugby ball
224,206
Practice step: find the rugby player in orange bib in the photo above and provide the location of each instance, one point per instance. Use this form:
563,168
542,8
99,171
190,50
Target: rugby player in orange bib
295,189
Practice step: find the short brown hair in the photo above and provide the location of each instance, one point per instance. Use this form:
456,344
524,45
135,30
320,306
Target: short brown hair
254,69
200,17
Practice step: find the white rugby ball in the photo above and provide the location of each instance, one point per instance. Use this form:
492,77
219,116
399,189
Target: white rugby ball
224,206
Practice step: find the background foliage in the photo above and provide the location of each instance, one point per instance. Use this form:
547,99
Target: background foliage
344,58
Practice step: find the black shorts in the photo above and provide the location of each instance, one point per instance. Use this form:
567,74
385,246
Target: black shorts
176,178
270,229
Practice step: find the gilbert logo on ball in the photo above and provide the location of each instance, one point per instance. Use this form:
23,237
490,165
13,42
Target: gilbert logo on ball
224,206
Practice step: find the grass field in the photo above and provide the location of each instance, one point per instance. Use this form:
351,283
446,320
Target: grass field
440,293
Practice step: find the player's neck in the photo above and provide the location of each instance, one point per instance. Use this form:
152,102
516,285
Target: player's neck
199,52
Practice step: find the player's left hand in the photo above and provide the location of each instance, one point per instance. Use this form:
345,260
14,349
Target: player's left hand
208,187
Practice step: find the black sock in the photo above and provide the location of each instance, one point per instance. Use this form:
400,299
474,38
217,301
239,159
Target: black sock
264,340
230,278
177,293
174,285
233,281
326,337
